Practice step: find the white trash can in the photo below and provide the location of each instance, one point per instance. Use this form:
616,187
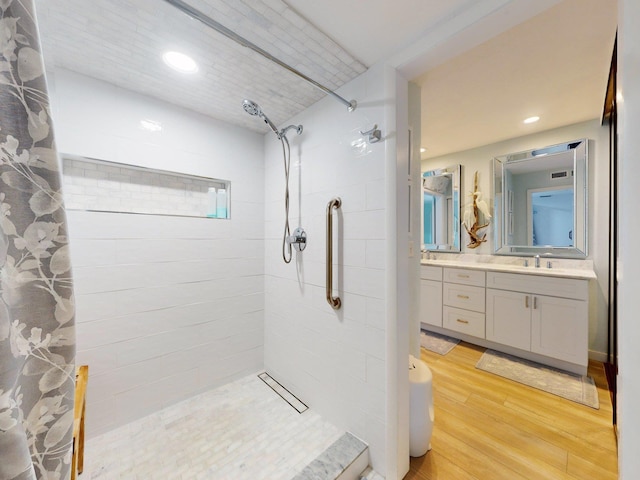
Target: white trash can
421,407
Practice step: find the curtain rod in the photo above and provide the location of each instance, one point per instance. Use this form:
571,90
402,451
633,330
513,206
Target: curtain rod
211,23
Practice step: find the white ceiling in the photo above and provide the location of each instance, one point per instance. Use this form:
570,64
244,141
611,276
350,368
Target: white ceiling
555,66
376,29
333,41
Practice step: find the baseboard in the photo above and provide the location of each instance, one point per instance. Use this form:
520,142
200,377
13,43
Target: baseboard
597,356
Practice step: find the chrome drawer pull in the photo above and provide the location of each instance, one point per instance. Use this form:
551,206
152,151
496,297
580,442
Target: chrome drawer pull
464,297
459,320
526,301
535,302
462,276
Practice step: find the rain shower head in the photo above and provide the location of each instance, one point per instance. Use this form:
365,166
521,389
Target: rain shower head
252,108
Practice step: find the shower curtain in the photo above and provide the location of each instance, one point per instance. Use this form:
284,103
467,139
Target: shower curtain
37,335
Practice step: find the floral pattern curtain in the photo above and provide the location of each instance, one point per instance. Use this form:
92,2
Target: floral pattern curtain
37,336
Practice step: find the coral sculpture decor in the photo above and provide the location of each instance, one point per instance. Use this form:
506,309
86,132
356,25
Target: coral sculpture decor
472,212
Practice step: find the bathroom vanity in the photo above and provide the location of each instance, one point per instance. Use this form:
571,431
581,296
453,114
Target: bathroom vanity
541,314
531,298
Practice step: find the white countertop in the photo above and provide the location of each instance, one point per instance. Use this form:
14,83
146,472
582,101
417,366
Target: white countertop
582,269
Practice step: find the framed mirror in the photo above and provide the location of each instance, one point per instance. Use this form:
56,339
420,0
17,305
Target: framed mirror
540,201
441,209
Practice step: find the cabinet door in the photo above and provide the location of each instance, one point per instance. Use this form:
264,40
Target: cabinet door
431,302
559,328
509,318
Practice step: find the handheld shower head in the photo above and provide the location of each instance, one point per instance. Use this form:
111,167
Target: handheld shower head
252,108
299,237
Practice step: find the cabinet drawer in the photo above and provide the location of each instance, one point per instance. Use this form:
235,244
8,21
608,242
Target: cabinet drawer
429,272
539,284
464,276
464,296
463,321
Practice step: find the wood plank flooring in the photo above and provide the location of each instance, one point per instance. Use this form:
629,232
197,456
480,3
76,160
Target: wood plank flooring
490,428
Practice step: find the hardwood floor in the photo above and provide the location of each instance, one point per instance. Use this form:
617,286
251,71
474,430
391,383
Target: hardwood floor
490,428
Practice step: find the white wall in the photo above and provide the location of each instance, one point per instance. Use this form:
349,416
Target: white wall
629,260
481,159
335,361
166,306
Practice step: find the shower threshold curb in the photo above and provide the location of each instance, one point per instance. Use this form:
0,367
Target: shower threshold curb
345,459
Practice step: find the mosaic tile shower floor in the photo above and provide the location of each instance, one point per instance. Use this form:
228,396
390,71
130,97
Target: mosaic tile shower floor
242,430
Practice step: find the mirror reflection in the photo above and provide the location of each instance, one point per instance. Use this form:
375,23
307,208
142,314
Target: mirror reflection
540,201
441,209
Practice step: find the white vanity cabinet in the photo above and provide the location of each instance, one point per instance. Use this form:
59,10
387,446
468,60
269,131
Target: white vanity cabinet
540,316
431,295
544,315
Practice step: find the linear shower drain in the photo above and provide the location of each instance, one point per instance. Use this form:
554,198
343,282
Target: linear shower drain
285,394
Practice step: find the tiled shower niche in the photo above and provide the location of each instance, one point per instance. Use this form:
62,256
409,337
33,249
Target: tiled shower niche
102,186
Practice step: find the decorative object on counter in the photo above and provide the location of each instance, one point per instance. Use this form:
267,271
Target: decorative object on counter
577,388
472,212
434,342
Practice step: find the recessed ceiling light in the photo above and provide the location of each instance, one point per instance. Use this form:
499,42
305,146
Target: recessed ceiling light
422,149
180,62
150,125
531,119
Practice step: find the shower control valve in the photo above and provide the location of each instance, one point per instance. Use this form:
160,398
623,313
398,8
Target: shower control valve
298,239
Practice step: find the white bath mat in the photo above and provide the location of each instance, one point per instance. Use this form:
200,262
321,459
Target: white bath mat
577,388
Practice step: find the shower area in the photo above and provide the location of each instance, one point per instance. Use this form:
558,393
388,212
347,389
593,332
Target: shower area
177,313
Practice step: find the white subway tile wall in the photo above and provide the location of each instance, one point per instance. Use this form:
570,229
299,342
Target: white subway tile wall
332,360
111,187
167,306
171,306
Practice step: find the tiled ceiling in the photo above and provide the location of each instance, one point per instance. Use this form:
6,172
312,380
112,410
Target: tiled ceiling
122,41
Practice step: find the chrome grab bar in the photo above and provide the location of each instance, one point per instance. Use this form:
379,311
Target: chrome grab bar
335,302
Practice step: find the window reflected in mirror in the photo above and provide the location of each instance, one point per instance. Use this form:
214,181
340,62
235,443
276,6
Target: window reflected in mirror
550,217
441,209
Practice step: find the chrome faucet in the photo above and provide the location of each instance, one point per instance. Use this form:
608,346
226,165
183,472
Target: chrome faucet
537,257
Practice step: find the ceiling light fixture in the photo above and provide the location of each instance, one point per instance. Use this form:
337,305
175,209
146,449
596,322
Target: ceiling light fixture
150,125
422,149
180,62
533,119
